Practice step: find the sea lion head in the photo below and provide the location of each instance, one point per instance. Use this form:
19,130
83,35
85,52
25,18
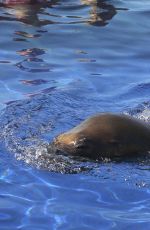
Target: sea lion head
93,138
76,144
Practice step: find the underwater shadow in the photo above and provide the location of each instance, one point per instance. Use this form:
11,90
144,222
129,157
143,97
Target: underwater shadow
101,11
28,13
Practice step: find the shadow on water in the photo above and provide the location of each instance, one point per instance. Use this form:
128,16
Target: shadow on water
32,62
38,46
100,12
28,13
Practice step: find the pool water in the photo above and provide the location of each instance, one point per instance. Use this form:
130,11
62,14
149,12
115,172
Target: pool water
61,62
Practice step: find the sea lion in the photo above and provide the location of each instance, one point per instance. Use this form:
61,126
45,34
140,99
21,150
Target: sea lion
105,135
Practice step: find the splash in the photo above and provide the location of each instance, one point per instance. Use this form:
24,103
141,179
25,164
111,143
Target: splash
27,126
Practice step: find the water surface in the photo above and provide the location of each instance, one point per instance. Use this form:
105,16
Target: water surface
61,62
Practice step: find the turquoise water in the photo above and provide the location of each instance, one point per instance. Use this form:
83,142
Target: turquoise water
59,63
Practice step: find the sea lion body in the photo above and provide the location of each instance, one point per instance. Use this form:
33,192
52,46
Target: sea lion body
106,135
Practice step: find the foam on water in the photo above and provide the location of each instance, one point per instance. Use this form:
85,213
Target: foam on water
28,126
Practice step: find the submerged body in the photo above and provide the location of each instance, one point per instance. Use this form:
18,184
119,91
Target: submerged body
106,135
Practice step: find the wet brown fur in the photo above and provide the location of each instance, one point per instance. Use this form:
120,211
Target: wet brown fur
106,135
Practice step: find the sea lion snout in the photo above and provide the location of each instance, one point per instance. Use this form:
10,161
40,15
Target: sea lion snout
70,143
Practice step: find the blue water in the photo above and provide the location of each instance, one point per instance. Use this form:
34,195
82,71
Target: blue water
59,63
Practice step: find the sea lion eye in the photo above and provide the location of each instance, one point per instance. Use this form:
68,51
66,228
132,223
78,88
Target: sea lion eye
80,146
82,143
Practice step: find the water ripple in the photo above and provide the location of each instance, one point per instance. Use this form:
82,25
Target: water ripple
67,60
